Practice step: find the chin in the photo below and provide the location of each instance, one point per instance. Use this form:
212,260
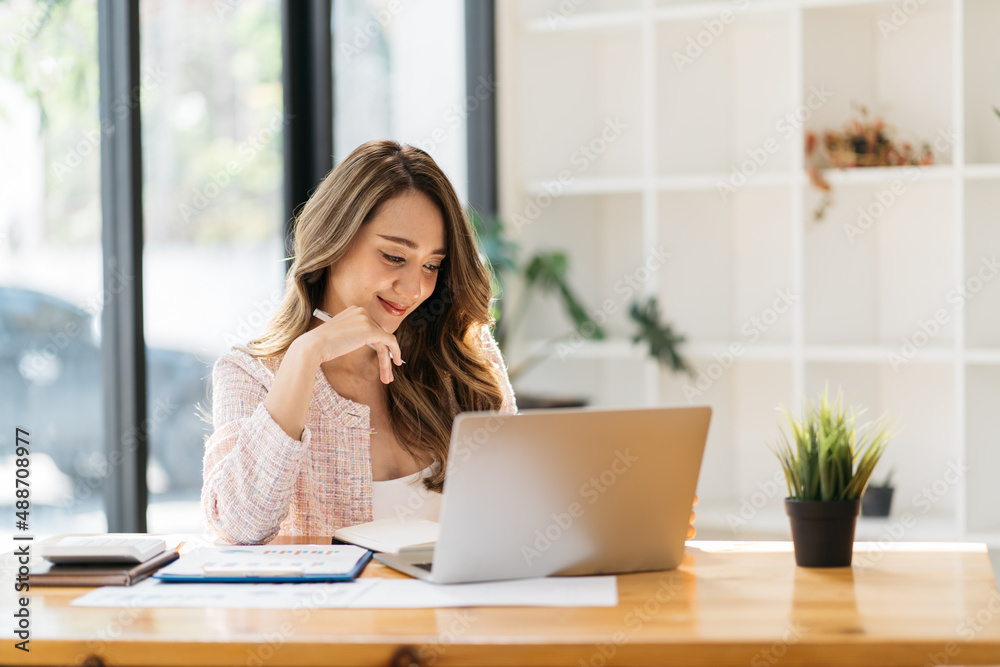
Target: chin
390,324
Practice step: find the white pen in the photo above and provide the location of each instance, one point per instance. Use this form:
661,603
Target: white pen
323,315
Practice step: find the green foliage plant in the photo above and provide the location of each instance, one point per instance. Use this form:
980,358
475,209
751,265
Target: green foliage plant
547,272
827,456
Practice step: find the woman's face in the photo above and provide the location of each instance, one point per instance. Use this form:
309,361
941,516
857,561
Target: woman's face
391,266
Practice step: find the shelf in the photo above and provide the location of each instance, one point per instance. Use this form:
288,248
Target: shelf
981,286
715,10
866,284
739,520
574,19
603,185
881,272
610,266
880,175
741,80
600,382
702,351
556,21
920,400
878,69
735,253
982,356
982,171
982,388
593,128
678,183
714,182
593,349
748,351
873,354
981,54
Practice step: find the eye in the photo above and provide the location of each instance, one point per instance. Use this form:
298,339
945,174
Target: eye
432,267
392,259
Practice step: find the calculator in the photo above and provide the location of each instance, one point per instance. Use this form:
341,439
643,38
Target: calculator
103,549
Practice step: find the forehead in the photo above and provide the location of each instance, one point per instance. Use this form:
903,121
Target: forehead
412,216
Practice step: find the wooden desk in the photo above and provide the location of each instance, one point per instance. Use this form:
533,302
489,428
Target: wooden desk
728,604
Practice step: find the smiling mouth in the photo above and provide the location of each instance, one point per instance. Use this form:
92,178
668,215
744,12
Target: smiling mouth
393,308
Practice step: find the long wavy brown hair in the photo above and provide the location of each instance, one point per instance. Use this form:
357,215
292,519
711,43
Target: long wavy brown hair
440,339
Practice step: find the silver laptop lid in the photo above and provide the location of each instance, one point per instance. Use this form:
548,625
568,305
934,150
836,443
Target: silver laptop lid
569,491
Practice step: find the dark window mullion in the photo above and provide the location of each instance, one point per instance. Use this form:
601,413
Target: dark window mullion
123,354
307,81
480,76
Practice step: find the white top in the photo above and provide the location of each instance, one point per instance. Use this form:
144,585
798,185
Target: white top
406,498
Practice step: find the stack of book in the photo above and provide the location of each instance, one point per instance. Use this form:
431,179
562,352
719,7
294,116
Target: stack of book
106,560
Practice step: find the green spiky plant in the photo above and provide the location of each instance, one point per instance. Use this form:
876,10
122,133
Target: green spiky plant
828,457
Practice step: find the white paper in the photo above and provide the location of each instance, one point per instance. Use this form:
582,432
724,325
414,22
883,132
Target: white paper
365,593
152,594
601,591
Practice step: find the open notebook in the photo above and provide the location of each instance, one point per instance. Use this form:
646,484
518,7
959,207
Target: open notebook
392,535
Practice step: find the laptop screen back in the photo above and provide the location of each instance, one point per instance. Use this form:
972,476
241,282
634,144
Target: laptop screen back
572,491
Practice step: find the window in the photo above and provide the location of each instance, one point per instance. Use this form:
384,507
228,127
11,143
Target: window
51,287
394,81
213,152
212,135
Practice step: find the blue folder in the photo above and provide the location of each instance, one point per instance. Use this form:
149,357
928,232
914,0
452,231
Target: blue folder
238,564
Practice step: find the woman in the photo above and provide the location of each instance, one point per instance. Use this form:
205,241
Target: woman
319,424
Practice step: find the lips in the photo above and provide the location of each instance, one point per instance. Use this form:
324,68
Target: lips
392,308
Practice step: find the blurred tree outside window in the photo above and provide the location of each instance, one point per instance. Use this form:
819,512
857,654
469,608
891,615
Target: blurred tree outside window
212,128
51,289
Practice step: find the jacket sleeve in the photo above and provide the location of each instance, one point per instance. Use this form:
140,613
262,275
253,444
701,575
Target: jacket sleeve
509,405
250,464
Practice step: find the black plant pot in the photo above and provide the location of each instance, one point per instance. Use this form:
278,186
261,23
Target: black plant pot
876,501
823,531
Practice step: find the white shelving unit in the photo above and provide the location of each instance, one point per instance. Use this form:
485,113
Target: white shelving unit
631,130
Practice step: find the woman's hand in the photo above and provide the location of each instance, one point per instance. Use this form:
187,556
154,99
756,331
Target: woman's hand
691,530
350,329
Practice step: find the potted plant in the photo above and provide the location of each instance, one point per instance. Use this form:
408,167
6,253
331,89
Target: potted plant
827,461
878,497
547,272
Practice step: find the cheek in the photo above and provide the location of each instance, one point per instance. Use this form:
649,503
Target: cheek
429,283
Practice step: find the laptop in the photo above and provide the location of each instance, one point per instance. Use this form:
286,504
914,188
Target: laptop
565,491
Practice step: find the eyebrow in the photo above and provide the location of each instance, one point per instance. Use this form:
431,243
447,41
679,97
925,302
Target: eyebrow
410,244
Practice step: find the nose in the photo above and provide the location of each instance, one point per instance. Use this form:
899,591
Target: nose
408,284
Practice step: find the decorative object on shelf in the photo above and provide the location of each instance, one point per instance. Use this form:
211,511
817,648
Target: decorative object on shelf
863,142
827,462
547,272
878,497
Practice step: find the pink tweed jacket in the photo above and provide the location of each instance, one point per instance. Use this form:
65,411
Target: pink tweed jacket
260,483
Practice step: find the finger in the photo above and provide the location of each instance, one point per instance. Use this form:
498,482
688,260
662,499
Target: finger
692,518
691,532
392,345
385,366
695,500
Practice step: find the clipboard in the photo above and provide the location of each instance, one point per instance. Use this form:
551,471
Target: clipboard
268,564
